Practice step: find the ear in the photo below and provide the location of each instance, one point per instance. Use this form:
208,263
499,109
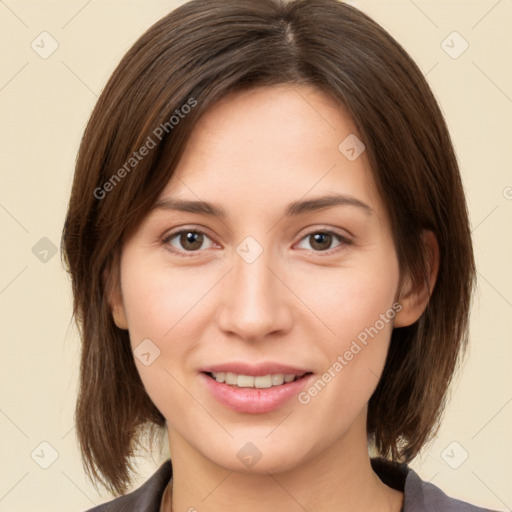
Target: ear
415,292
115,297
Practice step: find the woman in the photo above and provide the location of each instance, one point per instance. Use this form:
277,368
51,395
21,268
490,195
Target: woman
271,259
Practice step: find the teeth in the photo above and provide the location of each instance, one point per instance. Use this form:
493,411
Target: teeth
231,379
277,379
260,382
245,381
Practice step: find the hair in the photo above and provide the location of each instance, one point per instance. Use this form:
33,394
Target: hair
194,56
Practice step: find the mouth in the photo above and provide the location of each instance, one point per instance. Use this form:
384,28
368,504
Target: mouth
255,381
254,389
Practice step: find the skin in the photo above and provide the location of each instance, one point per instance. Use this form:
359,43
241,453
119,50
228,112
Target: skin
253,153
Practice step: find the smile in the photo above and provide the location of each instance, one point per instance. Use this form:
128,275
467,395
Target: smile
254,394
259,382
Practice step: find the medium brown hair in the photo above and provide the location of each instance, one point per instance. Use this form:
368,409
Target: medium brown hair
198,53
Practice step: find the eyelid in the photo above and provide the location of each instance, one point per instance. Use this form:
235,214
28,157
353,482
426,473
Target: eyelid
165,239
343,239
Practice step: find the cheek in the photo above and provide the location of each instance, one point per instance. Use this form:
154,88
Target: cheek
359,307
157,299
156,304
166,310
350,299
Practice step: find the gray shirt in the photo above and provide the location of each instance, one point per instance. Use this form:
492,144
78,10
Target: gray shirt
419,496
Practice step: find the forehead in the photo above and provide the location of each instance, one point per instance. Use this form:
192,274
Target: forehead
271,144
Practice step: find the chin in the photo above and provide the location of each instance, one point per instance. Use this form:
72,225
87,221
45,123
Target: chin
259,457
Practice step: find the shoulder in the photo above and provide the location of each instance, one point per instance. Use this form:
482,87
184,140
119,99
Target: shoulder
419,496
423,496
146,498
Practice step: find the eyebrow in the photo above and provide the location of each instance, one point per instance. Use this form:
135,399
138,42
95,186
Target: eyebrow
293,209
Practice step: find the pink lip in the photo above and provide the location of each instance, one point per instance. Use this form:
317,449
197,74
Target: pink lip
256,370
253,400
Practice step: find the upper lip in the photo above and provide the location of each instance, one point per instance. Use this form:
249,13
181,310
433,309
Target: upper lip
256,370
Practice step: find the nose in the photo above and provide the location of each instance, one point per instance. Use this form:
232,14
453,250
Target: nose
255,302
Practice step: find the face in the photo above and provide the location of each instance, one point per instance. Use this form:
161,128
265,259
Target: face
265,283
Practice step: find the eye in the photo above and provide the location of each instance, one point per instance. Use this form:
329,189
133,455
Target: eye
188,240
322,240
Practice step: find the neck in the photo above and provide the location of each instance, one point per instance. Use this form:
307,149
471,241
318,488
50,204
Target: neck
339,478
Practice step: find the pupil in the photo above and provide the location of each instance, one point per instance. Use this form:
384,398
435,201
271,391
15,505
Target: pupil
321,241
191,240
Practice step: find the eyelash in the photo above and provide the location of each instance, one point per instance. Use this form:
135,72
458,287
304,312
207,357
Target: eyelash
187,254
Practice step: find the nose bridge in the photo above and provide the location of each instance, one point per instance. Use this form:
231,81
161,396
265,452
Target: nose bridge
254,300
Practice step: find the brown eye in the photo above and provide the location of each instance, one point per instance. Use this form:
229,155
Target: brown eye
188,240
191,240
319,241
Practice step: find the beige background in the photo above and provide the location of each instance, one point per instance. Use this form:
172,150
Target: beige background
44,106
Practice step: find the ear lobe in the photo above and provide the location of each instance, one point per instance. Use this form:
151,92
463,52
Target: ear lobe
115,299
119,314
415,293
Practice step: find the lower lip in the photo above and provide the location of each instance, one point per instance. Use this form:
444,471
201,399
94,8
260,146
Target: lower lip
254,400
